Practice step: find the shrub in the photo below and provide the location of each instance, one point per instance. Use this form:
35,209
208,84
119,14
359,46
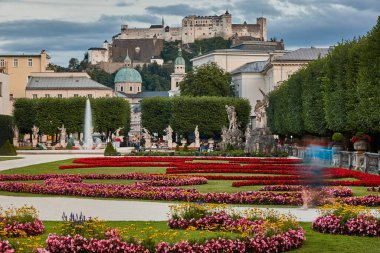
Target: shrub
110,150
7,149
6,124
185,148
338,137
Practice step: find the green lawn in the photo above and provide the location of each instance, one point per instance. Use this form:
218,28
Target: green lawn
315,241
9,158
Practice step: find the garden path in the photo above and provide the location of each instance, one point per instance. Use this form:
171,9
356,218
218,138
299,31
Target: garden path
31,159
51,208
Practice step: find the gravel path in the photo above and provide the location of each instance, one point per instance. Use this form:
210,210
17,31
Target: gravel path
51,208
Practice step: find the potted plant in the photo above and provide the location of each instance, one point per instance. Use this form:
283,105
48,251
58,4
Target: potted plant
337,144
360,141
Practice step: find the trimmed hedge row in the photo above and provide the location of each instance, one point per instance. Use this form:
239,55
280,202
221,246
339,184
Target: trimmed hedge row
184,113
50,113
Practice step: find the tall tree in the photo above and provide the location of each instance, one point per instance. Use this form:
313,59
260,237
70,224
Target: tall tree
207,80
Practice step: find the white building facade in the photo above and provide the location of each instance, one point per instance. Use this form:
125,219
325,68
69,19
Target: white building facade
5,103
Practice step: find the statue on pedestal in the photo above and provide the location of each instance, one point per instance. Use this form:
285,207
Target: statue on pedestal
147,137
35,131
15,136
261,117
117,132
169,132
63,136
196,134
231,117
247,139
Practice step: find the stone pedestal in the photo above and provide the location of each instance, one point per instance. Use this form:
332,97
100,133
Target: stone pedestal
359,160
170,143
34,143
63,143
211,143
148,143
183,142
48,144
15,142
197,143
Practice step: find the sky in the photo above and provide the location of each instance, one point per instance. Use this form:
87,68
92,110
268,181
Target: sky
66,29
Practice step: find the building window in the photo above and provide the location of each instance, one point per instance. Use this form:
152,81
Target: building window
121,88
15,63
130,88
138,88
30,63
47,95
59,95
2,63
107,95
10,97
1,89
76,95
34,95
176,84
89,95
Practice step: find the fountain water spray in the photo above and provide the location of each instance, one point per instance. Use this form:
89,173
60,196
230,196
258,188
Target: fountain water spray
87,135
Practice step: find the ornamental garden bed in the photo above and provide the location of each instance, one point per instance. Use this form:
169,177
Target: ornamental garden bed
190,179
347,219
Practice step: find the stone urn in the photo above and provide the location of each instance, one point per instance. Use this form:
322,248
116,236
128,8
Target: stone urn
361,145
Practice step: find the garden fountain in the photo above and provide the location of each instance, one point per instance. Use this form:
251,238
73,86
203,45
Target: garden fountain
87,131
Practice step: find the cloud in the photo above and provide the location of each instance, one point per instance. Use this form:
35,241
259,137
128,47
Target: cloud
324,26
255,9
177,10
122,4
372,5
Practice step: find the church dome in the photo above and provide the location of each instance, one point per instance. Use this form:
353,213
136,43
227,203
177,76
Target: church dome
128,75
179,60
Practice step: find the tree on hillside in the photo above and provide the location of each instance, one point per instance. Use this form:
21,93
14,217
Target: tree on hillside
207,80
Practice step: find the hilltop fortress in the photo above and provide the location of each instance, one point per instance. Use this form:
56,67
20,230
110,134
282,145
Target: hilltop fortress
145,44
198,28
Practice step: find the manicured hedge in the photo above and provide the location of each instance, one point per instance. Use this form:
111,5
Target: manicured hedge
338,93
50,113
184,113
6,131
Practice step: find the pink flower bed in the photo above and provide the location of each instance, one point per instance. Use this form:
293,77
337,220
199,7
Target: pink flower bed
17,229
363,225
339,191
5,247
255,242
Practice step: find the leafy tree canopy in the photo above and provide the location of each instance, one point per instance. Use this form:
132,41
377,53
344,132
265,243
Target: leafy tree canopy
207,80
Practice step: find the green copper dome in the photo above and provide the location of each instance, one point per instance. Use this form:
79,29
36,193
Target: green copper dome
179,60
128,75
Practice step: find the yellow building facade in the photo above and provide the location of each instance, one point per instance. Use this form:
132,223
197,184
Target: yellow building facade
19,68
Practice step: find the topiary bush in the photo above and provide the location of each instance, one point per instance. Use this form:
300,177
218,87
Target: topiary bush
110,150
7,149
337,137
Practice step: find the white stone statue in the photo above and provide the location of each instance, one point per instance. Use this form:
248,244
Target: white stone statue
35,131
147,137
117,132
231,117
15,136
247,138
196,134
63,136
169,132
261,117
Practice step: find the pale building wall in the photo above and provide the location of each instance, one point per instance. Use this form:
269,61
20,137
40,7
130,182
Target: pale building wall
5,104
128,88
247,86
69,93
97,56
175,80
277,73
18,76
229,60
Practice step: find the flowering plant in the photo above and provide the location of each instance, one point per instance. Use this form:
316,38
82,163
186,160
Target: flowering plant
361,136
